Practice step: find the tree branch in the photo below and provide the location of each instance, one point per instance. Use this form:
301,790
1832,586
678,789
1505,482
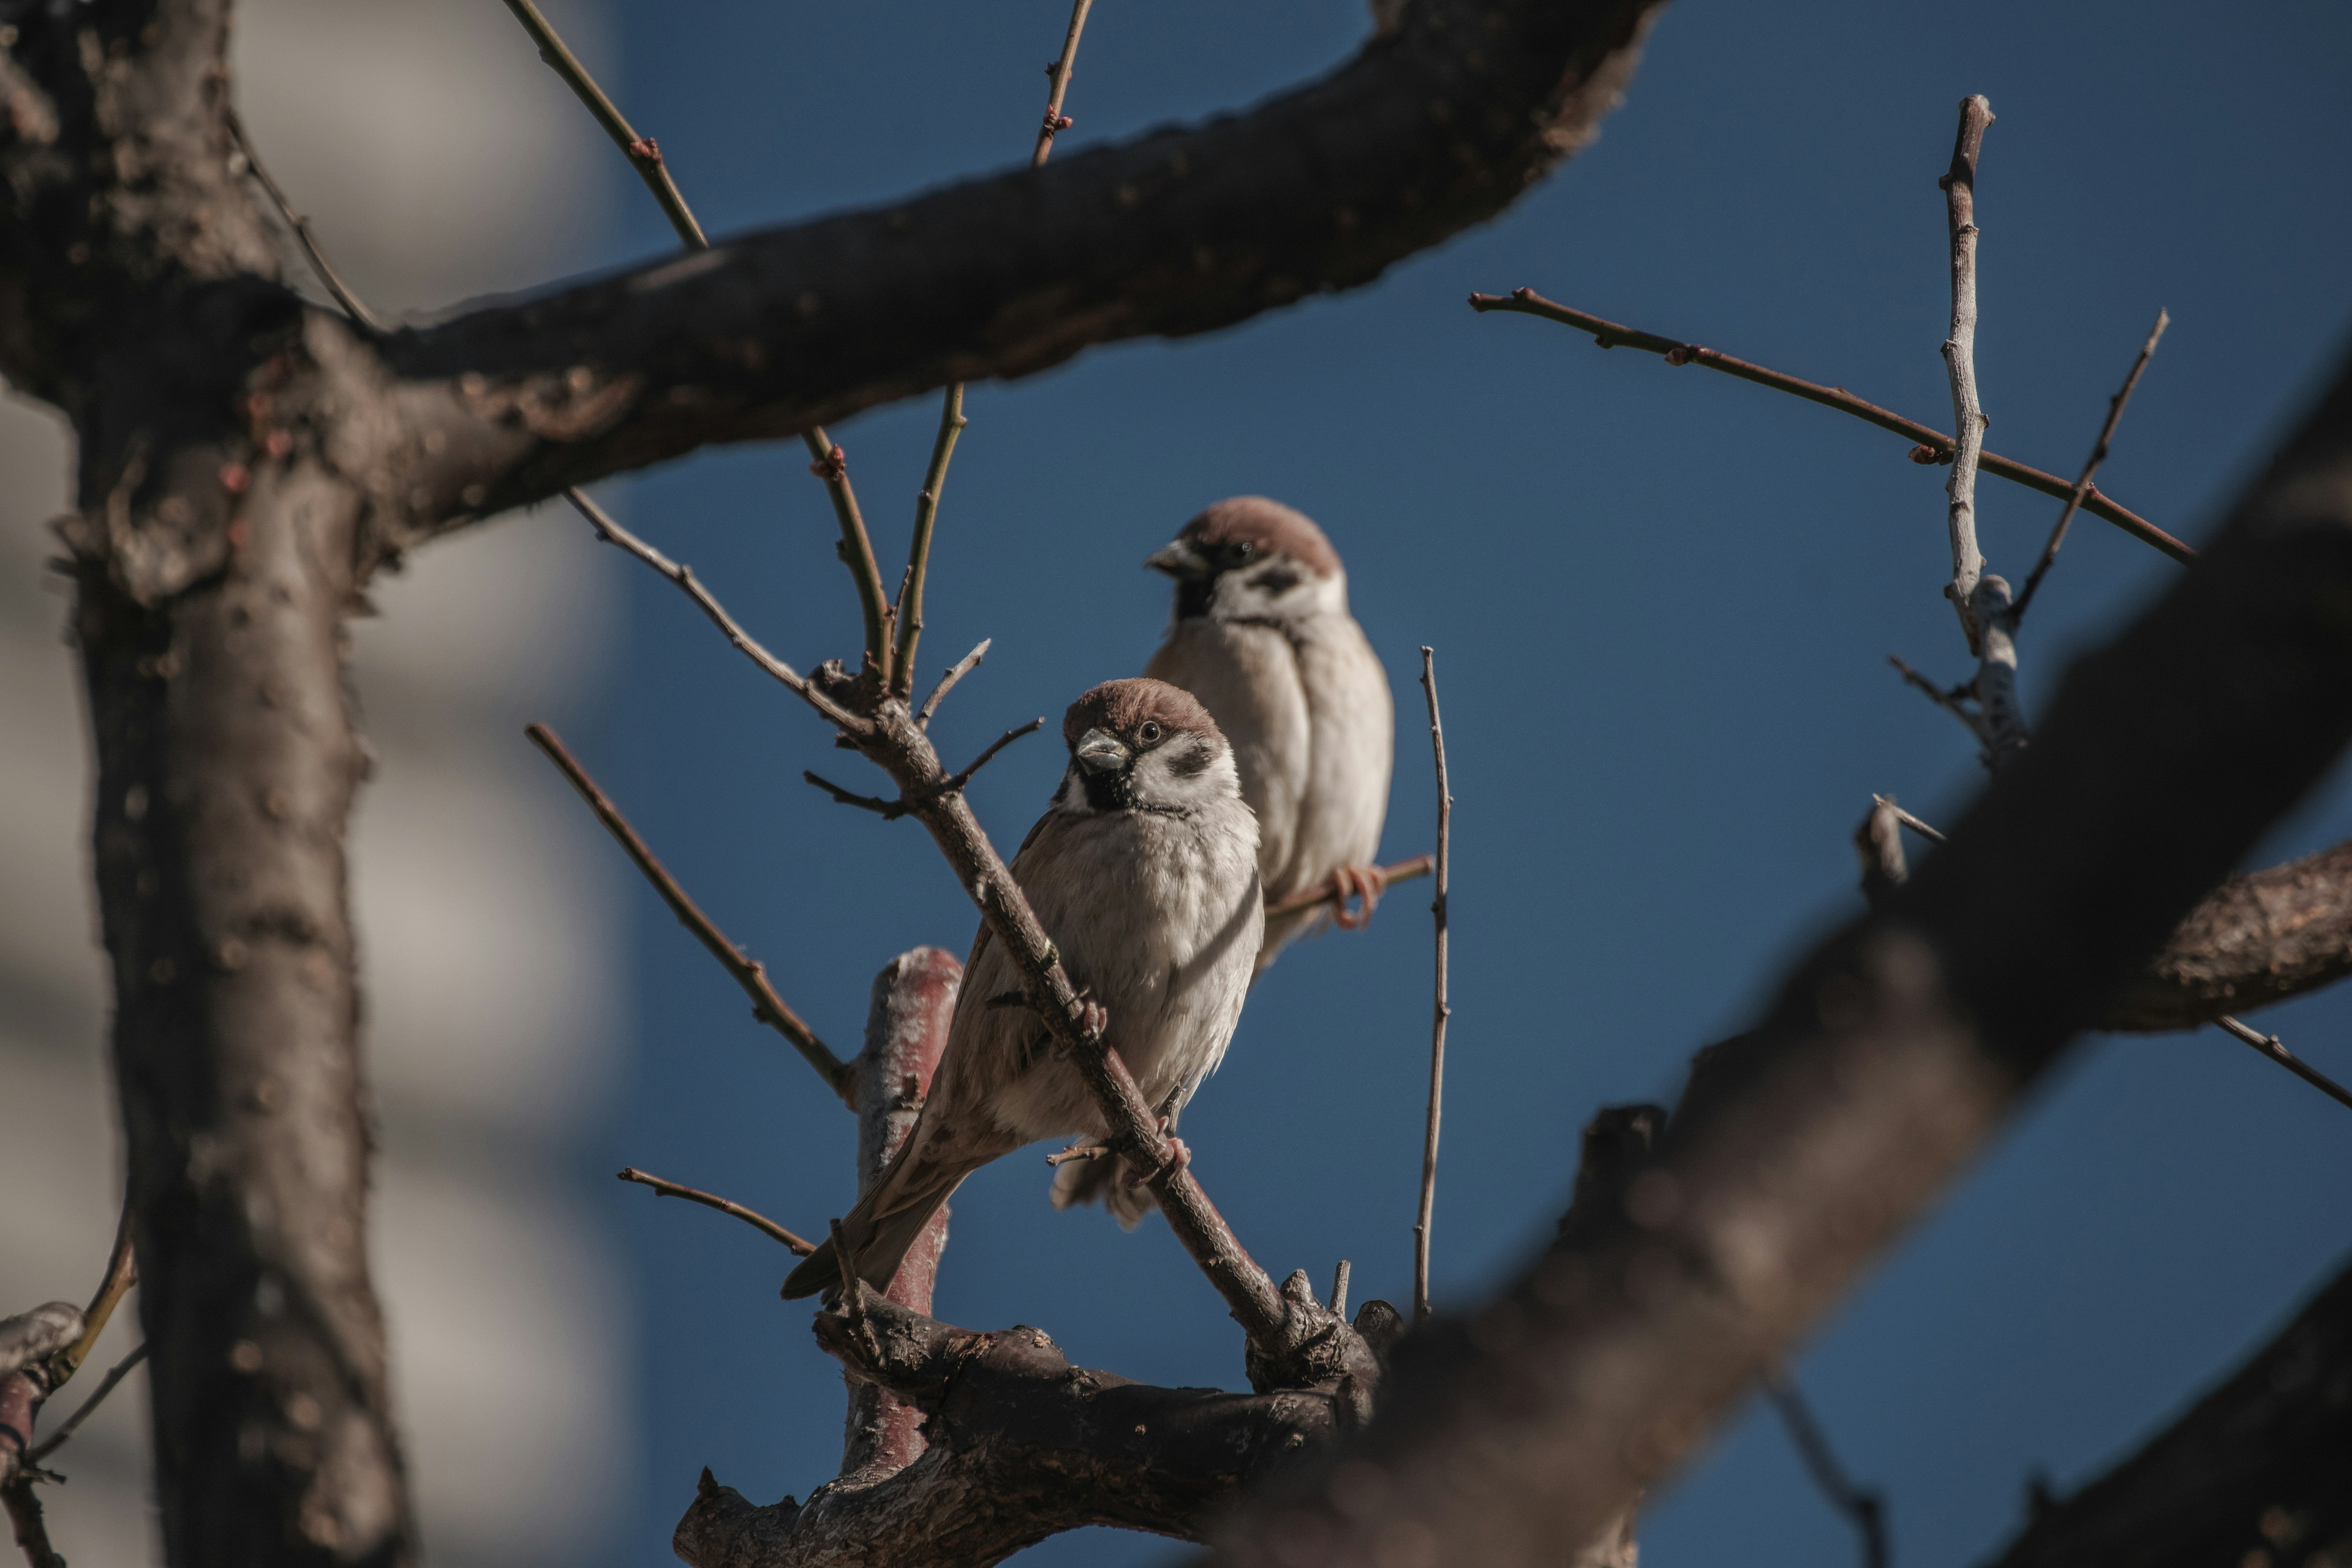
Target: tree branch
1427,131
2116,405
1802,1150
1441,1009
1939,445
798,1245
1969,419
2252,1473
749,974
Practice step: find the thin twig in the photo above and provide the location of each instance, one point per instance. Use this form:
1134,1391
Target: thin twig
23,1505
1938,446
982,761
2090,469
56,1439
2269,1046
919,552
643,155
362,317
121,1274
856,547
956,672
1059,71
612,533
1441,1010
749,972
1954,699
1340,1290
1968,421
1932,835
799,1247
1866,1506
888,810
1333,889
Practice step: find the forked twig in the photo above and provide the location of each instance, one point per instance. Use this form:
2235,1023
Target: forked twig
1441,1009
759,1222
749,972
2090,469
1936,445
1866,1506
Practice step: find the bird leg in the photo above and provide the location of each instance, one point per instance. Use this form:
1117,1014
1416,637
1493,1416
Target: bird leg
1366,882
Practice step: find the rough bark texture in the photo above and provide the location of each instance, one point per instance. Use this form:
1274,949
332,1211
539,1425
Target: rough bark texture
2257,1474
1802,1148
1424,132
905,1030
1023,1446
2256,940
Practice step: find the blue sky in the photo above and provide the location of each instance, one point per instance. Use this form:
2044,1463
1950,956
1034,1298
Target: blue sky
1662,602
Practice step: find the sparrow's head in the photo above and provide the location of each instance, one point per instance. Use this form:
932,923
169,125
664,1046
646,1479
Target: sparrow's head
1251,559
1144,745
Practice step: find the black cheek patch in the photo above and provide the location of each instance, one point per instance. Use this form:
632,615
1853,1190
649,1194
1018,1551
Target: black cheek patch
1276,582
1192,762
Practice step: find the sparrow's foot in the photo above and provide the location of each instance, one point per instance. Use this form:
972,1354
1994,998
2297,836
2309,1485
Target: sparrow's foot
1364,882
1093,1019
1179,1158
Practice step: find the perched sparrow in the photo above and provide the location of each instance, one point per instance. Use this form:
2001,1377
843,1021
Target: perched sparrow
1261,636
1144,872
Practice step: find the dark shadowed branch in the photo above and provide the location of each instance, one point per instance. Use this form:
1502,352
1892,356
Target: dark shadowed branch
1894,1051
1864,1507
2252,1474
1610,335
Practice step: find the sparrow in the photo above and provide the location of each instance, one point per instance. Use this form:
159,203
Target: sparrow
1261,636
1144,873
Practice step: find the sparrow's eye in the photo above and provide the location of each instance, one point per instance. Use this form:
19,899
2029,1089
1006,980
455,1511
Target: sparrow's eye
1150,733
1241,550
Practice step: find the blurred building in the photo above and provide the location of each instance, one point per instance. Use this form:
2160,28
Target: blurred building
438,161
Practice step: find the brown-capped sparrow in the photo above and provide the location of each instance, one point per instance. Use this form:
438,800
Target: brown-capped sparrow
1261,636
1144,873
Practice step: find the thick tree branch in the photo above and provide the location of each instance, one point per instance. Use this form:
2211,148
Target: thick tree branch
1803,1149
1022,1446
1427,131
2253,1473
2255,940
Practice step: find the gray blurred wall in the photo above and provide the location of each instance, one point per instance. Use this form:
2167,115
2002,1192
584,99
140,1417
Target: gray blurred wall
438,161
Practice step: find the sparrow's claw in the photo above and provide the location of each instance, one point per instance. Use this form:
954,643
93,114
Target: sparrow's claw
1093,1019
1179,1157
1365,882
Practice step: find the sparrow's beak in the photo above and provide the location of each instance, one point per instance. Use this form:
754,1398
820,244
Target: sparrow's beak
1099,753
1178,560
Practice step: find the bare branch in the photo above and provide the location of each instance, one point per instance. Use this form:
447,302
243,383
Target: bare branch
1440,1009
919,552
1427,131
1879,842
856,547
1006,739
2268,1045
1968,421
1335,888
72,1424
956,672
1939,445
644,154
329,279
1059,74
2251,1472
752,1217
1864,1506
1893,1053
748,972
2256,940
888,810
2090,469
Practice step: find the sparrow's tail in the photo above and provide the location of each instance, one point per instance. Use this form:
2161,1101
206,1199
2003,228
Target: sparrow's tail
1106,1180
884,1223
